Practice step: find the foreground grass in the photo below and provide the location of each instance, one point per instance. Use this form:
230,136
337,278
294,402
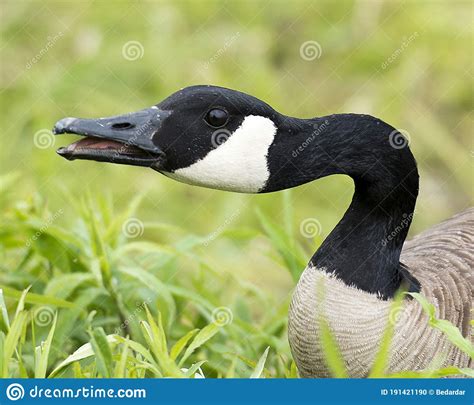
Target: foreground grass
95,282
92,298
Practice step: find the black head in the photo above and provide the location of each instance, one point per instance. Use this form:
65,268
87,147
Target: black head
220,138
205,135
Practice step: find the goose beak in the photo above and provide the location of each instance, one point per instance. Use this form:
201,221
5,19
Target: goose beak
124,139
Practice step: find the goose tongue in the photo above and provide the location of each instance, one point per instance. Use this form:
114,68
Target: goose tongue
100,146
94,143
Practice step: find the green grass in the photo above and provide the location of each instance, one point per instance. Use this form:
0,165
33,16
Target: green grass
192,252
120,297
113,305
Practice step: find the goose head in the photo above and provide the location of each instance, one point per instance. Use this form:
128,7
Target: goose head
202,135
225,139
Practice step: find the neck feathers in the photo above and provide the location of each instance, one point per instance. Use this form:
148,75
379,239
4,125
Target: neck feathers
364,248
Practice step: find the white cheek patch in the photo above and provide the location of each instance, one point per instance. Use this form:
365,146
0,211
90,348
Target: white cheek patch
239,164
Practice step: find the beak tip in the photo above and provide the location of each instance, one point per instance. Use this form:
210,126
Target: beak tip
64,152
63,125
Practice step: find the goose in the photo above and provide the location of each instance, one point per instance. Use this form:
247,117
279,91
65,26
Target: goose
224,139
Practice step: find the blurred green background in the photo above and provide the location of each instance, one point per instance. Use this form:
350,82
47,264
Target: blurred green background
408,63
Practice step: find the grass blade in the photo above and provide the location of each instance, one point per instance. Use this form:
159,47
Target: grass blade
452,333
83,352
257,372
33,298
181,343
103,353
195,370
121,366
4,320
43,352
332,353
155,336
291,254
12,339
382,358
202,337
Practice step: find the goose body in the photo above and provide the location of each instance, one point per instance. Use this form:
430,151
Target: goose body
441,259
220,138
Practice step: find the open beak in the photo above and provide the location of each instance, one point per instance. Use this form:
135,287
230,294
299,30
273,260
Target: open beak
124,139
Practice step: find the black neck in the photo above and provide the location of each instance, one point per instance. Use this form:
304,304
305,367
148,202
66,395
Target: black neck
364,248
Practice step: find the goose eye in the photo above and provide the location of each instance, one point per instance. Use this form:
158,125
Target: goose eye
217,117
